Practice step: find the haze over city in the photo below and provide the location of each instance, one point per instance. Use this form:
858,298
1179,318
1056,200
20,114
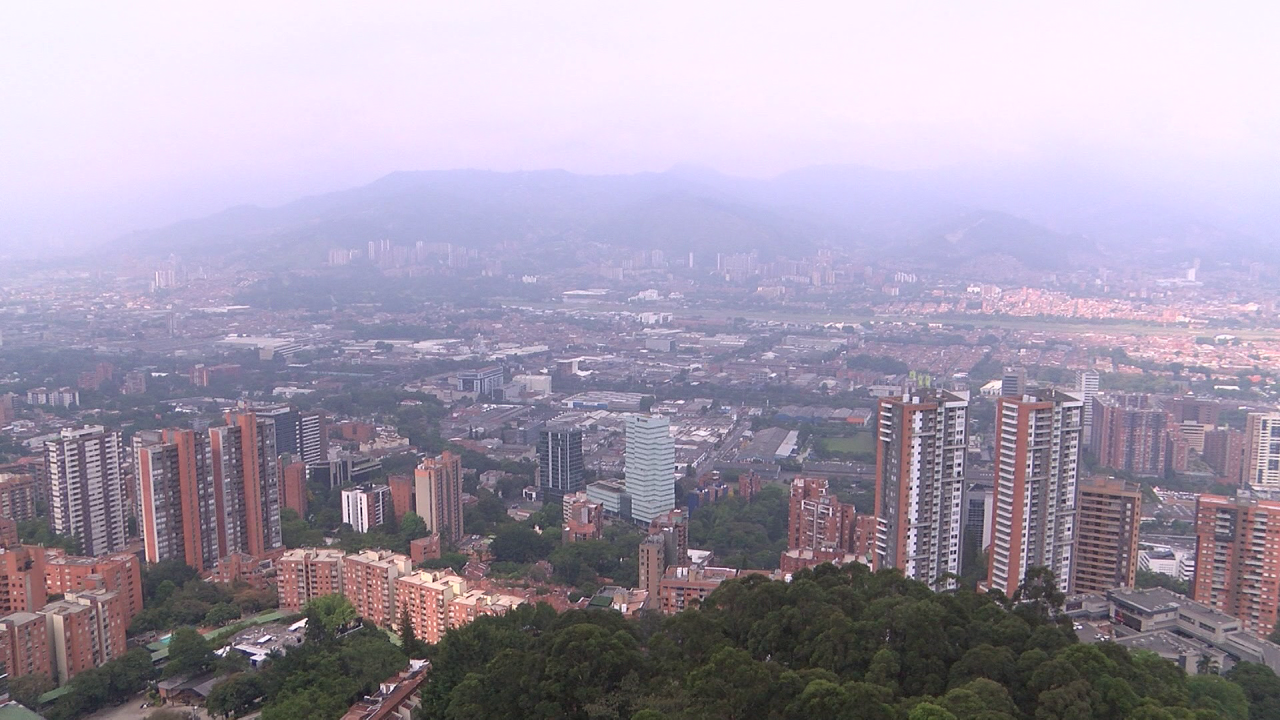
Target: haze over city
123,118
588,361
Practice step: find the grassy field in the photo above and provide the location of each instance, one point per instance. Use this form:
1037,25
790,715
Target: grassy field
1064,326
860,443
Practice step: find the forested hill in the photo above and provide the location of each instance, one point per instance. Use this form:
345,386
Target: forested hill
832,644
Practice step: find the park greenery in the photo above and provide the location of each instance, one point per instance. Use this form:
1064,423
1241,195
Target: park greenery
95,688
175,596
833,643
744,534
320,679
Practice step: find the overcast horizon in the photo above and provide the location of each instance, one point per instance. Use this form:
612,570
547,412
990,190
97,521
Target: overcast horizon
123,117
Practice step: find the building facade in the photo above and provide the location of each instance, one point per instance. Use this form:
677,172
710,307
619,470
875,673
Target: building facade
304,574
1034,496
920,456
1224,451
649,466
1131,434
1238,558
438,494
368,581
246,481
1106,554
560,469
87,496
179,510
24,644
1262,449
366,507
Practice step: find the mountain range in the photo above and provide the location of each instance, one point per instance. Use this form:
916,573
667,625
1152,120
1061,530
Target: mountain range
1047,220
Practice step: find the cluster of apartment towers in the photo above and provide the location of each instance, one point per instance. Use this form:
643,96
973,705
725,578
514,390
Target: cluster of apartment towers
1038,511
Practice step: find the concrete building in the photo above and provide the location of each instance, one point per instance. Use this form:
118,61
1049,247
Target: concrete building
246,482
368,581
978,503
685,586
1013,383
18,494
560,470
612,496
816,519
293,488
87,496
304,574
1037,462
1087,388
1224,451
653,565
22,583
1131,434
24,645
345,470
86,630
1238,558
1145,619
366,507
438,494
1106,554
649,464
120,573
403,495
178,499
437,602
482,382
1262,449
920,456
583,518
396,699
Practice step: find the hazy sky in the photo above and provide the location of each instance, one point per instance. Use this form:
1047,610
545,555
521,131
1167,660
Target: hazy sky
131,114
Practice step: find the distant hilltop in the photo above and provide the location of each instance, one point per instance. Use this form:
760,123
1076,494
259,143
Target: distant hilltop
1039,222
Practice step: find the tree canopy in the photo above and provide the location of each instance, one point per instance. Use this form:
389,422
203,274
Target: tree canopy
834,643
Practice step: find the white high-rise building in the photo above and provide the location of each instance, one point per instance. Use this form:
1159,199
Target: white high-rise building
650,466
1087,389
920,484
366,507
87,488
1034,508
1262,450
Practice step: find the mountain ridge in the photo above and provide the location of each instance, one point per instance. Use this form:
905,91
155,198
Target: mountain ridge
905,216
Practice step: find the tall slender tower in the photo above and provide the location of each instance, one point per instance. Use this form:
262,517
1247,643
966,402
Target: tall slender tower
920,453
1038,457
179,511
87,495
649,466
1087,388
246,485
438,495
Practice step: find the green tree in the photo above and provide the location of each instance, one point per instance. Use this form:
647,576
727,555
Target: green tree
221,614
409,642
327,615
930,711
235,696
520,544
27,689
1212,692
190,654
1261,688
